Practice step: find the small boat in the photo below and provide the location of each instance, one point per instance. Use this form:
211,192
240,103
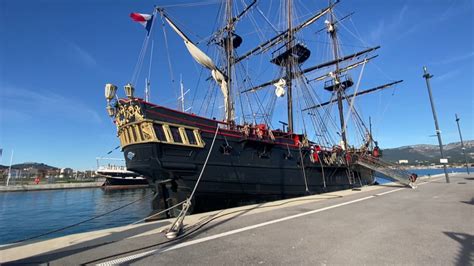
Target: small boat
118,175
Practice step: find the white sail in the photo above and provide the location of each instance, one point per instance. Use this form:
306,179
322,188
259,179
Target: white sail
200,56
205,61
221,80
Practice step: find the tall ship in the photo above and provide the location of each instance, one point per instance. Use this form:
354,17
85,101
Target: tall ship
291,135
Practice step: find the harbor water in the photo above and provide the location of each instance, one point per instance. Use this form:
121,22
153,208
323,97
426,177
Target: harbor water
28,214
31,213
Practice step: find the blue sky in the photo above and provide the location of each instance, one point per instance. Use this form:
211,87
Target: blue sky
57,55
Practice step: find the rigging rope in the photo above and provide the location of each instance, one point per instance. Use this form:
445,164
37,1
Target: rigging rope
298,81
213,96
192,4
202,69
148,81
321,163
303,169
351,105
319,122
138,65
241,103
165,36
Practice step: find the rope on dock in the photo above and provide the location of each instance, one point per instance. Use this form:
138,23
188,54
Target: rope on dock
158,213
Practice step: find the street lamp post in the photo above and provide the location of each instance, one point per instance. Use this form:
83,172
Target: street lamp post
462,144
427,76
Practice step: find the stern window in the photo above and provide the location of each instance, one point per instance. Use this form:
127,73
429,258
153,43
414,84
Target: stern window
191,137
175,134
160,133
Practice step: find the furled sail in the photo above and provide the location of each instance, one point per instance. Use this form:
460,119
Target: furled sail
204,60
279,88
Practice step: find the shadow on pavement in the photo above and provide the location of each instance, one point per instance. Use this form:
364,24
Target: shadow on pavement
466,255
469,202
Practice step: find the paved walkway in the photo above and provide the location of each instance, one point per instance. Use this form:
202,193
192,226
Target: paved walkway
431,225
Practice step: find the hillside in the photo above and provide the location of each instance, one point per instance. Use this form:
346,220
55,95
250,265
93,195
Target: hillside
430,153
39,166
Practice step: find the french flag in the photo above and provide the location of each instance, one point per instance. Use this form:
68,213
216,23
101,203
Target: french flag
145,19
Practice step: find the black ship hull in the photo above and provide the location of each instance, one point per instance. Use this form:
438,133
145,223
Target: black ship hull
242,168
229,182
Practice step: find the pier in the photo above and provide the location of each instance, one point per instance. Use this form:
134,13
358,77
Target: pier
383,224
34,187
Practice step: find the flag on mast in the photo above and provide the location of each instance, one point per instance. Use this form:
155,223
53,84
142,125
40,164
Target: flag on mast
145,19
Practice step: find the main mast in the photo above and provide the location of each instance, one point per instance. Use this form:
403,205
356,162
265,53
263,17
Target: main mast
229,47
331,28
289,67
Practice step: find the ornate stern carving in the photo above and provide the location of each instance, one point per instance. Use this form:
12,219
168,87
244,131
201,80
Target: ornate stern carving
128,114
137,132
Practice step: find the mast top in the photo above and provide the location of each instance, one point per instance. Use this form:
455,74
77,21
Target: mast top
426,75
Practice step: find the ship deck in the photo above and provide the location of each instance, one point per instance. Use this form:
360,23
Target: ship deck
384,224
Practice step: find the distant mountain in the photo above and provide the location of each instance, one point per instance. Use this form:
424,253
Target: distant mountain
430,153
39,166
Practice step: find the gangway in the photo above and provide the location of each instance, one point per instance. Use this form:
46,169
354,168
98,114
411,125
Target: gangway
389,169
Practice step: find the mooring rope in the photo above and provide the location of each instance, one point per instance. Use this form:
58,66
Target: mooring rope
177,224
205,163
158,213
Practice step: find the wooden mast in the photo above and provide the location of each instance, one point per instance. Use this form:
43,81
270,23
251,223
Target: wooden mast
289,67
338,86
229,116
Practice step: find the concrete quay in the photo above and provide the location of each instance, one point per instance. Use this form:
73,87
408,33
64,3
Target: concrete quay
378,225
32,187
